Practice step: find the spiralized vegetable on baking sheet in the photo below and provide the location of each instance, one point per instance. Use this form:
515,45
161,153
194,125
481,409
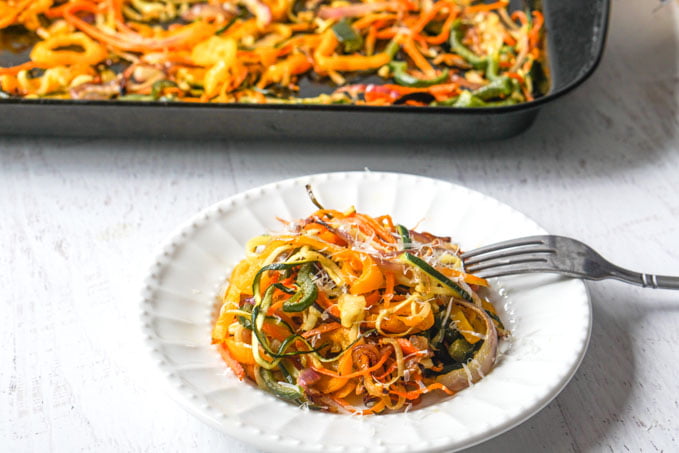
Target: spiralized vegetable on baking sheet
350,313
459,53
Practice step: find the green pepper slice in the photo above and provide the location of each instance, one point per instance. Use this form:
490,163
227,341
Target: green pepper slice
456,46
392,48
493,67
348,36
307,291
500,87
469,99
401,76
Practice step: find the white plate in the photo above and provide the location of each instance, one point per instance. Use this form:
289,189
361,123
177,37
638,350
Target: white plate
550,320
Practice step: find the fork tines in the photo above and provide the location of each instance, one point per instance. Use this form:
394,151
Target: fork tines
515,256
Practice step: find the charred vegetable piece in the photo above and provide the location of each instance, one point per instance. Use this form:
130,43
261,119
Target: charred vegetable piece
401,76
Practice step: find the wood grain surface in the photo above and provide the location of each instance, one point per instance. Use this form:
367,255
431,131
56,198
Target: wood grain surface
81,220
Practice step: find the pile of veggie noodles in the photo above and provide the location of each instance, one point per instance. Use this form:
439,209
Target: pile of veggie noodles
348,313
461,53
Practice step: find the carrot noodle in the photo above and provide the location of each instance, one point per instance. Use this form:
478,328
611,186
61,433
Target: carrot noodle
352,313
261,51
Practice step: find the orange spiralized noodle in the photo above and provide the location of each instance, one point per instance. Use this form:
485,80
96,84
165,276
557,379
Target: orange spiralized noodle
455,53
350,313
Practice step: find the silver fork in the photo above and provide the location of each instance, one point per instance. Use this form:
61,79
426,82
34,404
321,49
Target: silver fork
556,254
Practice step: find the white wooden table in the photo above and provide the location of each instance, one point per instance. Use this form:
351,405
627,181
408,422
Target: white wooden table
81,218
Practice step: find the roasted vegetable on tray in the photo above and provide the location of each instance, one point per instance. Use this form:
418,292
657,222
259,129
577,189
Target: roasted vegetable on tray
457,53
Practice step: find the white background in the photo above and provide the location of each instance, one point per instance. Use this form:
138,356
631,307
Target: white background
80,221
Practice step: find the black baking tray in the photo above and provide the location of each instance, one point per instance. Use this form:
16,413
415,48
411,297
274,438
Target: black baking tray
575,34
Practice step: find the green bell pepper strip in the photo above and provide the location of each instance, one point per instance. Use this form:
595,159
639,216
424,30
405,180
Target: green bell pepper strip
456,46
307,291
348,36
401,76
469,100
412,259
500,87
392,48
493,67
286,391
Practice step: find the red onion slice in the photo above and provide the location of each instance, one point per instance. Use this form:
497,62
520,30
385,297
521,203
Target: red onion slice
260,10
361,9
483,360
209,12
96,91
307,377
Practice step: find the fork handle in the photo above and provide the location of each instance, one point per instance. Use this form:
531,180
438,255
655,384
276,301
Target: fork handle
645,280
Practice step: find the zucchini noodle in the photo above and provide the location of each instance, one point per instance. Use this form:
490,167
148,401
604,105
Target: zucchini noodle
350,313
454,53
